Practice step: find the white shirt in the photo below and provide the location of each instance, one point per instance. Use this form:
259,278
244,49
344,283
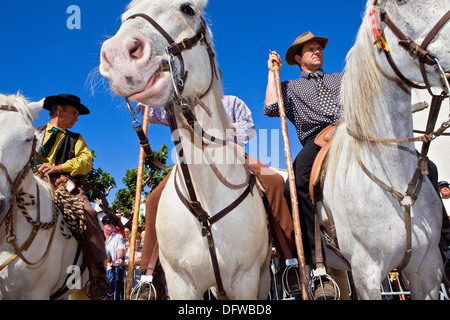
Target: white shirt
446,203
115,243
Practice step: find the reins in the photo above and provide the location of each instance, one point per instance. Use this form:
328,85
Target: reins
17,197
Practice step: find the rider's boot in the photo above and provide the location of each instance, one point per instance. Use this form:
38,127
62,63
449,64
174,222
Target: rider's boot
98,285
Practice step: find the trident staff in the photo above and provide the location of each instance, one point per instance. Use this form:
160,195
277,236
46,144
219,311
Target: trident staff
311,103
291,179
137,203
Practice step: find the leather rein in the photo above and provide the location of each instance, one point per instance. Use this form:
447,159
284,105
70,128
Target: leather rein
406,200
192,203
16,194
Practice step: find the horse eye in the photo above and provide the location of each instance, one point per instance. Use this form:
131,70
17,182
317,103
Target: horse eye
187,9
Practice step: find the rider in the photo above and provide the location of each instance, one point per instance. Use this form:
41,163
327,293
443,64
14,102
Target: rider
310,115
242,125
67,155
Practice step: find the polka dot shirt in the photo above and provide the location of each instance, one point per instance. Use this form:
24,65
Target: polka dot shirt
302,105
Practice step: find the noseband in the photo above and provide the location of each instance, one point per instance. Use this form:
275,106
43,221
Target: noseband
379,15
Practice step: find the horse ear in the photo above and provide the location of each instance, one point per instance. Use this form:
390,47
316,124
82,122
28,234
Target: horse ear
36,107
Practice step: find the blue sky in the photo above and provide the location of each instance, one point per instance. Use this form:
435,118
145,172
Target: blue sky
41,56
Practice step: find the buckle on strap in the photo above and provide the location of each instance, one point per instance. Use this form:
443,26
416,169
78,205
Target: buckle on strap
201,215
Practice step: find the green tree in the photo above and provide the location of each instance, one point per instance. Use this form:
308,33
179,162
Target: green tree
97,184
151,178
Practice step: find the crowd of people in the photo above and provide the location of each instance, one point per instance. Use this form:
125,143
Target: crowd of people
117,244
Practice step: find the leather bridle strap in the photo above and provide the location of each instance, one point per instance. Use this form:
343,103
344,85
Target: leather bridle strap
175,49
409,45
439,25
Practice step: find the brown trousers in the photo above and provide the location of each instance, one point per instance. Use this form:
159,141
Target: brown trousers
274,184
93,235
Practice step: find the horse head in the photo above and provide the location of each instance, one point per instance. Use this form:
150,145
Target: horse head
416,34
155,54
16,142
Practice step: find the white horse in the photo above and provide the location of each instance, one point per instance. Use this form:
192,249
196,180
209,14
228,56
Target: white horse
137,65
43,259
370,222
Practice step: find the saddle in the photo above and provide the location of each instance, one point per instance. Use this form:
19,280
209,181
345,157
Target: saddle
323,140
327,227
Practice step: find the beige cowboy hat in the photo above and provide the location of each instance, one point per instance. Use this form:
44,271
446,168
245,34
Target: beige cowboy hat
298,44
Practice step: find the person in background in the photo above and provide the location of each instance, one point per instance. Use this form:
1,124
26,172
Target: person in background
116,248
445,194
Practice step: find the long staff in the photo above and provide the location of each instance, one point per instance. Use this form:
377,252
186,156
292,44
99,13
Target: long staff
292,187
137,204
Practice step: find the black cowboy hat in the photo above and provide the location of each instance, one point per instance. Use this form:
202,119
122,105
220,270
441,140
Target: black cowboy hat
107,218
66,99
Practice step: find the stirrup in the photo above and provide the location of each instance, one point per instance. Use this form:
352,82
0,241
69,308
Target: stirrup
291,278
97,288
319,280
144,290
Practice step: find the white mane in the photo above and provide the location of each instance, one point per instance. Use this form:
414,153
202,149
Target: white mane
360,89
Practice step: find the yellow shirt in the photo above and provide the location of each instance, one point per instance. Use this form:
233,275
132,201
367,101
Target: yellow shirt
81,164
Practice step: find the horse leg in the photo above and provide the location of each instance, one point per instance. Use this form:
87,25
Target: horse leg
246,285
367,278
425,282
265,280
180,284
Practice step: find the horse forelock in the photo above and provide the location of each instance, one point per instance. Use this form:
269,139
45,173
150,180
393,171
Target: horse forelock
18,101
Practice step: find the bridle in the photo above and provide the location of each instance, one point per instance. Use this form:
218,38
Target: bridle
16,194
406,200
15,185
176,49
192,203
379,15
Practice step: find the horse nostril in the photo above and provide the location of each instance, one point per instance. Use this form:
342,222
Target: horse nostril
137,49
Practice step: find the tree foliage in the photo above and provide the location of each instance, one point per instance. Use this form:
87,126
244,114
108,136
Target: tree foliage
151,178
97,184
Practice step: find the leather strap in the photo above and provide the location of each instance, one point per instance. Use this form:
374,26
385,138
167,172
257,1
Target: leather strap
145,144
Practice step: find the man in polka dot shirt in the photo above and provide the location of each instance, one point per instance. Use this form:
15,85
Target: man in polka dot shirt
311,104
67,155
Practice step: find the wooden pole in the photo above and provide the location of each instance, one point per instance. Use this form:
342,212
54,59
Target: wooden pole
292,187
137,204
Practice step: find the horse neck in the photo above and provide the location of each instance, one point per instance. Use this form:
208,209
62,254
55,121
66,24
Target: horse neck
216,125
394,112
227,161
393,163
